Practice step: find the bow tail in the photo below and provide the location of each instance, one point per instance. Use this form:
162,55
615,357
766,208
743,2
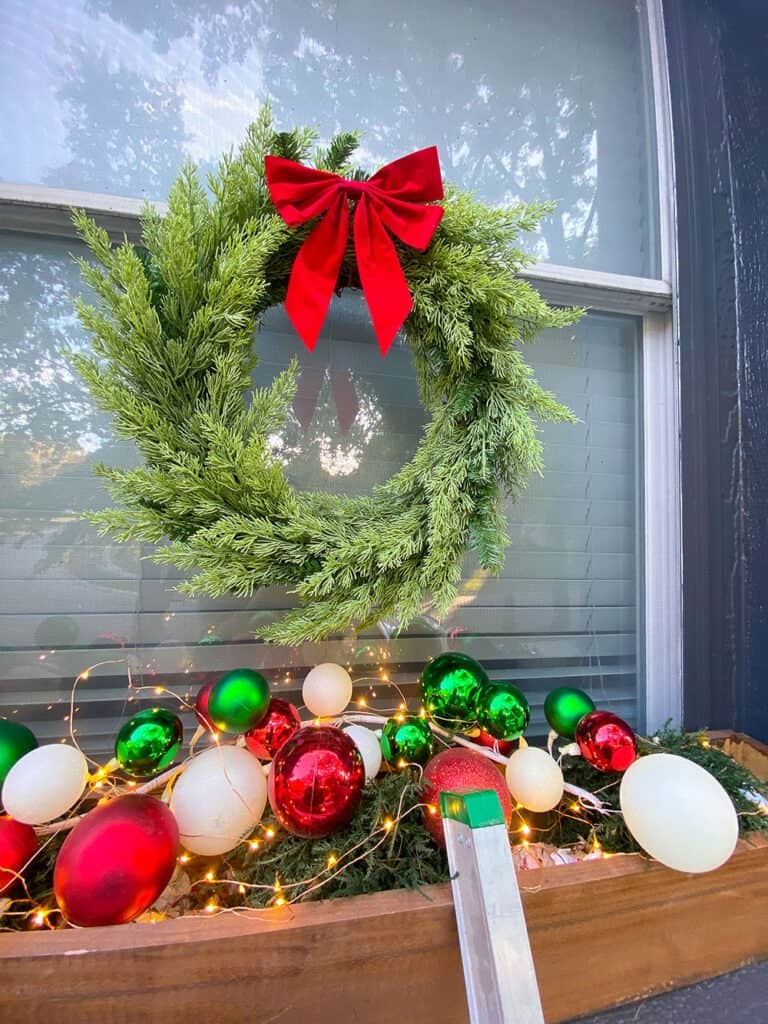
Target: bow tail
384,284
315,272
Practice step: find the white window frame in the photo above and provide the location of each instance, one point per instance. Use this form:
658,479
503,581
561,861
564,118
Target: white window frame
46,211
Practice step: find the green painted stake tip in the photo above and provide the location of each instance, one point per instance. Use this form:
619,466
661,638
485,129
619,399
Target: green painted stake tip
478,809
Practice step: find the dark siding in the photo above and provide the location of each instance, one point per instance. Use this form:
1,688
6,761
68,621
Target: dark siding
719,80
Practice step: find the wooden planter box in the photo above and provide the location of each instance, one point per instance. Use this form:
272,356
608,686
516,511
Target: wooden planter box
602,933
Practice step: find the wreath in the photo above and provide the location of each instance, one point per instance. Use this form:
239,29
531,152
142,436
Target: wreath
173,361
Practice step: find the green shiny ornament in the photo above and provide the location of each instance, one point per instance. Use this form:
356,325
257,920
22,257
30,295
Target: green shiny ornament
565,707
407,739
449,688
239,700
148,742
503,711
16,740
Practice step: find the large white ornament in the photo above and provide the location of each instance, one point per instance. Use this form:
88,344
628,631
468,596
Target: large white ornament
219,798
45,783
369,745
678,813
534,779
327,690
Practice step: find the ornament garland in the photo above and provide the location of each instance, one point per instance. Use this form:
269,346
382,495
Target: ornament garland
173,359
334,823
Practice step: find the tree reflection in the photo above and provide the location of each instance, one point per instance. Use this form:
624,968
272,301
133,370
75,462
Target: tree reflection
122,128
527,100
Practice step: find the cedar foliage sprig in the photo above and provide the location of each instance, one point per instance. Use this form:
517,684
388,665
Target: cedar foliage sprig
173,361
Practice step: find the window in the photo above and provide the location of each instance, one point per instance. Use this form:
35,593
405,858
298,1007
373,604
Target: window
561,98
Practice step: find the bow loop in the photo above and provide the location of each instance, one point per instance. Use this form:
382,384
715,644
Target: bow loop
388,203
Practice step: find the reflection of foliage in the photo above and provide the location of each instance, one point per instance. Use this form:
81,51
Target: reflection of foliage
43,404
124,122
519,98
338,452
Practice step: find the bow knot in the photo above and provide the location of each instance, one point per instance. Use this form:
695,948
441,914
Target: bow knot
388,203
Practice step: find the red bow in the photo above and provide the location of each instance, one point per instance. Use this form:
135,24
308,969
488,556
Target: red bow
391,199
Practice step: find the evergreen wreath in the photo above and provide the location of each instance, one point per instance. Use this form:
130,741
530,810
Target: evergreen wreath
173,358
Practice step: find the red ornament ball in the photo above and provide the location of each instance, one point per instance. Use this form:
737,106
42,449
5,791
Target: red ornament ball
484,739
115,862
201,706
316,781
281,722
459,770
606,741
18,842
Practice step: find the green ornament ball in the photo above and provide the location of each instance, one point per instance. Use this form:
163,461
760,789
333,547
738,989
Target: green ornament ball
407,739
449,688
239,700
16,740
503,711
148,742
565,707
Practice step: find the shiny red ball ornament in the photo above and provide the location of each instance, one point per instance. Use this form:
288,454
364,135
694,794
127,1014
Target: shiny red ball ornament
280,723
18,842
459,770
316,781
606,741
116,861
201,705
484,739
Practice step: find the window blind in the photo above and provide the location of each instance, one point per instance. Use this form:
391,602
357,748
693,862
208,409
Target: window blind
564,610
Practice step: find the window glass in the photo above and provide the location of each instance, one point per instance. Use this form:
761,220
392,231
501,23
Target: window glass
525,99
565,608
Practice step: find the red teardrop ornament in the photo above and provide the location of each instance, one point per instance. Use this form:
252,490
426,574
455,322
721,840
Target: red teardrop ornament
17,844
115,862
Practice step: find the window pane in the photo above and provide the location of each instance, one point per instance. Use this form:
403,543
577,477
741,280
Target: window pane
525,99
565,609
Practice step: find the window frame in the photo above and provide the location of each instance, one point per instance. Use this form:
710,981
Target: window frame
40,210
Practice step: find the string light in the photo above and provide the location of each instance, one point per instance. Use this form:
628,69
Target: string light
333,860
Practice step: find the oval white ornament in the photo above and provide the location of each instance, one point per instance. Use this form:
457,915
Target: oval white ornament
534,779
369,745
218,799
327,690
45,783
679,813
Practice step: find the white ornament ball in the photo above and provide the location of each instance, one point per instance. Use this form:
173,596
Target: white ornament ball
327,690
678,813
45,783
534,779
369,745
218,799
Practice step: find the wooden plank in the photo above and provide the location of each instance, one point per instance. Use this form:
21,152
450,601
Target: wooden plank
602,932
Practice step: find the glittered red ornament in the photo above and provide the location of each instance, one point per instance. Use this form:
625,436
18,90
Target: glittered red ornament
201,706
115,862
484,739
280,723
18,842
316,781
459,770
606,741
